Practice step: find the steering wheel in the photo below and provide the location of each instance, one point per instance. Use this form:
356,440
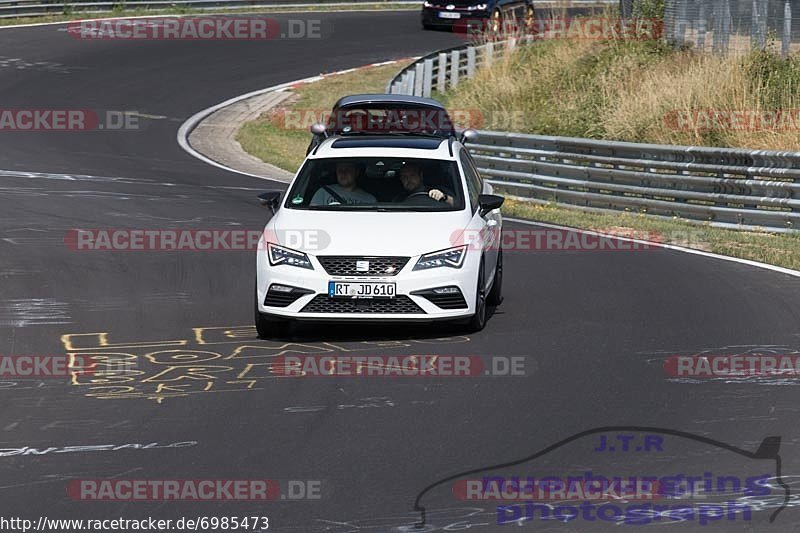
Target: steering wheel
420,197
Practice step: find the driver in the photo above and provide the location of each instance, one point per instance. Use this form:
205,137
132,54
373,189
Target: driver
345,191
411,178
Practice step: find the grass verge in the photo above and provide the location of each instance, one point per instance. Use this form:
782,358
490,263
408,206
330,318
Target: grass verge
639,91
280,136
781,249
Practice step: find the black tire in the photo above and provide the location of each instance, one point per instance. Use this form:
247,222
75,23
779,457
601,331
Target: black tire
495,297
478,320
270,327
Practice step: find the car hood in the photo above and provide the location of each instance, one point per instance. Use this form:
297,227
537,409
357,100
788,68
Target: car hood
367,233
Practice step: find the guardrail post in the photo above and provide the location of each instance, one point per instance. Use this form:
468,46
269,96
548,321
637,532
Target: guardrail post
512,43
428,78
454,64
701,27
726,26
441,73
787,28
418,79
488,49
409,83
470,61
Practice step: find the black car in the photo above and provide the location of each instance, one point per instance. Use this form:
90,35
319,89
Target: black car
494,16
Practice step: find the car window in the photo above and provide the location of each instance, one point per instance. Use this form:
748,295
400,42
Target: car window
473,179
375,183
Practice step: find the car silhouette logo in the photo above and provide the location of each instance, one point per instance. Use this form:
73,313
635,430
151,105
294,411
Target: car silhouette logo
776,498
362,266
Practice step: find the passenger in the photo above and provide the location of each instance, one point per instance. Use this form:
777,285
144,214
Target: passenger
346,191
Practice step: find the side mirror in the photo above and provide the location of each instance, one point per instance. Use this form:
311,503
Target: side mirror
270,199
319,129
469,136
489,202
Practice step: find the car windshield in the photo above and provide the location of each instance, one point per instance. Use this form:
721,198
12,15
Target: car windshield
377,184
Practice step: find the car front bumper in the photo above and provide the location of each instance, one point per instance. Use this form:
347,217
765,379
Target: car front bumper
413,300
467,20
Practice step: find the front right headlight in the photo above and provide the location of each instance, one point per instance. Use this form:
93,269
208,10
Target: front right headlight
451,258
278,255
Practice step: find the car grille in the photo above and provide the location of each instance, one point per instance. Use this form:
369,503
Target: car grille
345,265
322,303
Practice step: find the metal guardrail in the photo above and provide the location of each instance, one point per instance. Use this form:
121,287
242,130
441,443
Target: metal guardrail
729,188
735,188
443,70
23,8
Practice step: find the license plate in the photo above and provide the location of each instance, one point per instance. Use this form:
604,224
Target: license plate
446,15
361,289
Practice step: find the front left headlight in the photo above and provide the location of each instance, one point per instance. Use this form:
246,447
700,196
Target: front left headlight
427,4
451,258
477,7
278,255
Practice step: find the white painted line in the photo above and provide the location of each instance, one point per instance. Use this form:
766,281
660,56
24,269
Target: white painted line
748,262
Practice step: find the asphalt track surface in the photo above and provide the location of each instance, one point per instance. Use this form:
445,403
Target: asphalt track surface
592,327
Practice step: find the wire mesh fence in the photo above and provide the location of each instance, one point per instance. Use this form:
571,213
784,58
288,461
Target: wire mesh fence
731,26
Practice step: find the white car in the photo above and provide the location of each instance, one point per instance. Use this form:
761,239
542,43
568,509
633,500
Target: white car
357,238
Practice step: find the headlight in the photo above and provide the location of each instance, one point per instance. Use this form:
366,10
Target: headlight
451,258
278,255
427,4
477,7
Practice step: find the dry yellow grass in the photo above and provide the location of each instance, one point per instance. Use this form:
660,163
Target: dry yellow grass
635,91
